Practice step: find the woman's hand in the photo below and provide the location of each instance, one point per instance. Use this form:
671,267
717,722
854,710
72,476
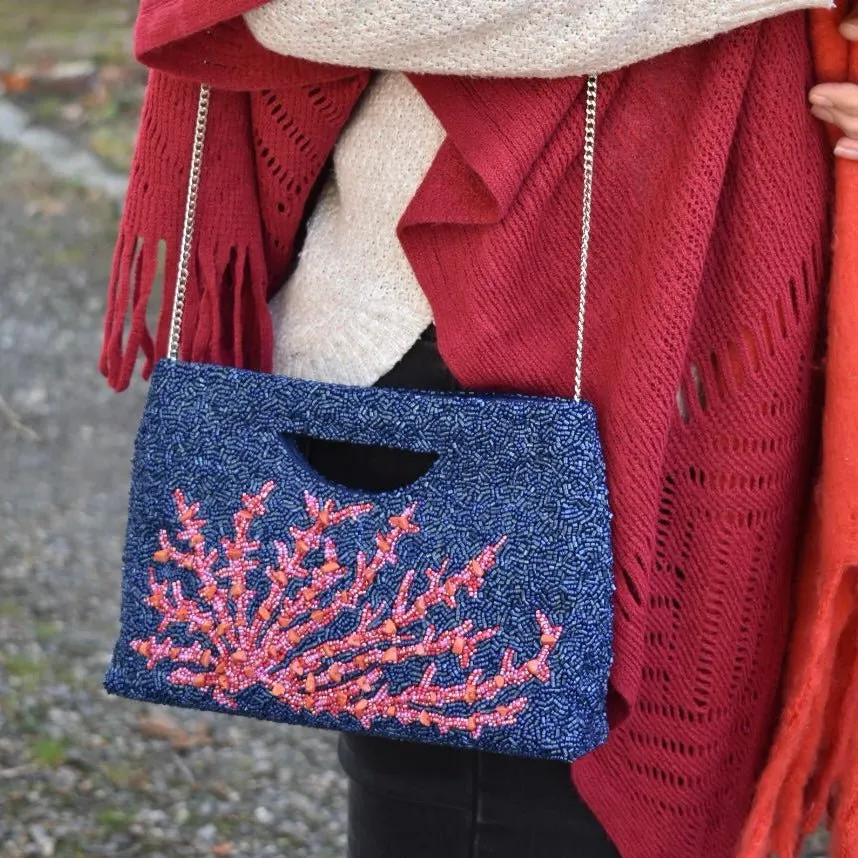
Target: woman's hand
837,103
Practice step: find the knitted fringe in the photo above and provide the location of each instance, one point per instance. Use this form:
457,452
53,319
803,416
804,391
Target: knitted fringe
226,317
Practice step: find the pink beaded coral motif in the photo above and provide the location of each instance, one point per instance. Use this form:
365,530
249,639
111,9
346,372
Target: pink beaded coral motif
243,640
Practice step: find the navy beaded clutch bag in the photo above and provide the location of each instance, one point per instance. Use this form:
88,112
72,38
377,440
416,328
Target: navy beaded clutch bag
471,608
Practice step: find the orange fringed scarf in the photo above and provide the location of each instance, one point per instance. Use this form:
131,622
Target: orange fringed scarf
812,771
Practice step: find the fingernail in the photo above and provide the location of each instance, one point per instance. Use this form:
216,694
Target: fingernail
847,149
849,29
820,100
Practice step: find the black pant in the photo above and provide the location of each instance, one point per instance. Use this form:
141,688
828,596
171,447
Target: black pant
423,801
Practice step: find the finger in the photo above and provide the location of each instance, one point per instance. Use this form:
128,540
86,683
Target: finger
849,26
839,96
847,148
847,123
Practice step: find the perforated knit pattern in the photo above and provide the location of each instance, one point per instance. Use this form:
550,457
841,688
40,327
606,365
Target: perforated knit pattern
710,201
285,135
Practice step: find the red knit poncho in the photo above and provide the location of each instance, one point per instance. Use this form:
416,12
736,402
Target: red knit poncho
710,230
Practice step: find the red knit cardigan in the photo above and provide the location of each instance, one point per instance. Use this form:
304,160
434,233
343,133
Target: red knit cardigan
710,232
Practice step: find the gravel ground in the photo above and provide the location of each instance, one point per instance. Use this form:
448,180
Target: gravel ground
80,773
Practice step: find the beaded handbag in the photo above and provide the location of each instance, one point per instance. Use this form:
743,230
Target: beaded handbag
471,608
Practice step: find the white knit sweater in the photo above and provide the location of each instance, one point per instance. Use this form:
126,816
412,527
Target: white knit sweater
353,307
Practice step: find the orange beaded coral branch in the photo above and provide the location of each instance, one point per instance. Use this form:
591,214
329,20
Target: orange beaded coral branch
241,641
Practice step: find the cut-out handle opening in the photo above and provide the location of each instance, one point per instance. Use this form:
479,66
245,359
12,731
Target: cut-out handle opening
363,467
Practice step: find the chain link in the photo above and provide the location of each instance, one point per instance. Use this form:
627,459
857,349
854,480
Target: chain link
191,212
188,229
589,153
